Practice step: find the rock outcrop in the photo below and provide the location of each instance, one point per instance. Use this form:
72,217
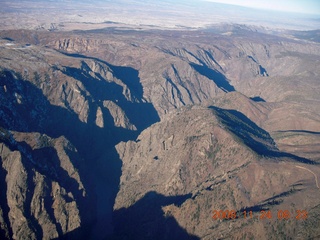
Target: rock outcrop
144,134
200,160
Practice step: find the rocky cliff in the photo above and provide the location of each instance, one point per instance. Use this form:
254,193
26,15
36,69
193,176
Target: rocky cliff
143,134
207,159
60,122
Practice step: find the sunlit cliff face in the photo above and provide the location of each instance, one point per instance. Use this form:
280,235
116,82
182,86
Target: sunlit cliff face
147,121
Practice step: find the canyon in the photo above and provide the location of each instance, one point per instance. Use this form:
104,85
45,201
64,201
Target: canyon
125,133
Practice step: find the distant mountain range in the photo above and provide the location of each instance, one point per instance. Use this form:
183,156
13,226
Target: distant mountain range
160,14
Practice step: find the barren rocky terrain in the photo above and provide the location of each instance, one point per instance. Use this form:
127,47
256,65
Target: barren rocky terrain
126,133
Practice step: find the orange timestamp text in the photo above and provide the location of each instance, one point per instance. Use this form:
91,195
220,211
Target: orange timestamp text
263,214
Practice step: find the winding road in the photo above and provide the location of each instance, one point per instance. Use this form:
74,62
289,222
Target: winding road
315,176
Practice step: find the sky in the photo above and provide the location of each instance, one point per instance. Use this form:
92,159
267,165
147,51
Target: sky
299,6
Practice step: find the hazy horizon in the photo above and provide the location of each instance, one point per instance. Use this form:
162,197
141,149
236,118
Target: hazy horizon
294,6
165,14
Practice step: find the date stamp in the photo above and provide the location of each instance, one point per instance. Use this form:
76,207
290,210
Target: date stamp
262,215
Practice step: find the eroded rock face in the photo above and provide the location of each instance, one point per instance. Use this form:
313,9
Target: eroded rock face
43,189
177,155
200,160
82,102
143,135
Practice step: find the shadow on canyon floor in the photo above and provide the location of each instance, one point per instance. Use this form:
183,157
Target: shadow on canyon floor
101,170
146,219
